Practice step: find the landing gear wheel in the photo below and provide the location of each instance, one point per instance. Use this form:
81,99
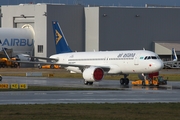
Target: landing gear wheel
122,81
0,78
126,81
88,83
85,82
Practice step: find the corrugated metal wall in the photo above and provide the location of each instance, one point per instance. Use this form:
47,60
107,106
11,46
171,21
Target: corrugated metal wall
72,22
137,28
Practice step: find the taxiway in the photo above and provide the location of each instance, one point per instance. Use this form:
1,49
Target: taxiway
128,94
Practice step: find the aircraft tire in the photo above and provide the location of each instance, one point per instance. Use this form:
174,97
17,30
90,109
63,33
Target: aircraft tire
126,82
122,81
85,82
90,83
0,78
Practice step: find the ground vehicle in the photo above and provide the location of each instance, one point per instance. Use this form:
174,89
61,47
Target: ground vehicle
49,66
157,80
4,62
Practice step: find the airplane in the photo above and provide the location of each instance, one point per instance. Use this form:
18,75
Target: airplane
94,65
170,64
20,41
174,56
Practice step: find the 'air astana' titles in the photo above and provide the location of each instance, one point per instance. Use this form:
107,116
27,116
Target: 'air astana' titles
126,55
17,42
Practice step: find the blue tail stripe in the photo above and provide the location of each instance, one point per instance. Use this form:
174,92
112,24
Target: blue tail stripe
60,40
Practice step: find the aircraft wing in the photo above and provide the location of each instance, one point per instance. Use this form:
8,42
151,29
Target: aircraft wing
44,58
106,68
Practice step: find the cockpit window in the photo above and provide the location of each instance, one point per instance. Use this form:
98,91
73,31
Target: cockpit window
151,57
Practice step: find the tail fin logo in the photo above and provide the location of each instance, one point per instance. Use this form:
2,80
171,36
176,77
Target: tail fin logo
174,56
58,37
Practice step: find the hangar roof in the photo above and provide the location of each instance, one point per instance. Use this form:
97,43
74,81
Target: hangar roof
171,45
165,48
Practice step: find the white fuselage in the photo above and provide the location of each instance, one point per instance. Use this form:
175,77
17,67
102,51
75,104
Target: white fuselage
21,40
118,62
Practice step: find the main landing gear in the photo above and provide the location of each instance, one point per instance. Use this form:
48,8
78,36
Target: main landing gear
88,83
124,81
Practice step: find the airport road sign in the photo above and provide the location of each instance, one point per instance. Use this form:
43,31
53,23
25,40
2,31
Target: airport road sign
23,86
4,86
14,86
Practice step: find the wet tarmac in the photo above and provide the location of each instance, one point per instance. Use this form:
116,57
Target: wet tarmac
123,94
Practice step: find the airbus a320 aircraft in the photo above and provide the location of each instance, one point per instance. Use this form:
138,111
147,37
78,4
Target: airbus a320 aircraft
94,65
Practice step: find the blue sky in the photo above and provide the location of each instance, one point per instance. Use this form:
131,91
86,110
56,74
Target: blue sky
98,2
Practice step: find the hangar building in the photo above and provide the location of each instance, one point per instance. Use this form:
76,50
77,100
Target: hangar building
99,28
119,28
40,17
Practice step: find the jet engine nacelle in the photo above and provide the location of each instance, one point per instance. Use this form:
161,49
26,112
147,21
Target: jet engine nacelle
93,74
148,76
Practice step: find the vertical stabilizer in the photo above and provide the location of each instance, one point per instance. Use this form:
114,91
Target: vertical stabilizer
60,40
174,56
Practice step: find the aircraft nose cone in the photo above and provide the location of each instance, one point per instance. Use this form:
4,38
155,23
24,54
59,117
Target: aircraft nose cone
159,65
156,65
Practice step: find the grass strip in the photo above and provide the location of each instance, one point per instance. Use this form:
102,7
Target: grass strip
117,111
